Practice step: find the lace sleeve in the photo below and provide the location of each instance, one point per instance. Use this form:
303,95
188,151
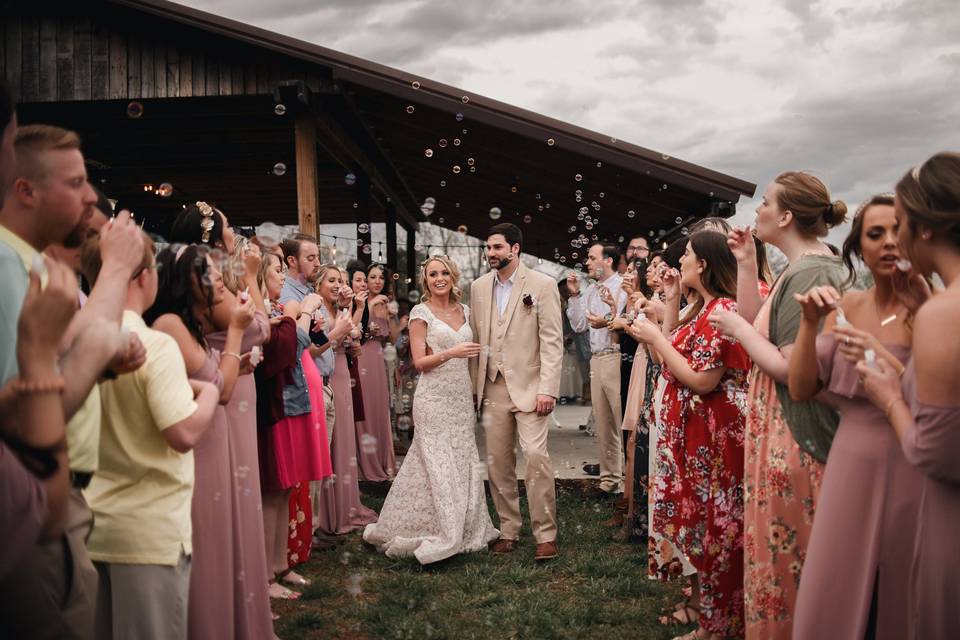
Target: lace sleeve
420,312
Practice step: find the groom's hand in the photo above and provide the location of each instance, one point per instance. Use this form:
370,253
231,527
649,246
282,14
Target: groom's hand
545,404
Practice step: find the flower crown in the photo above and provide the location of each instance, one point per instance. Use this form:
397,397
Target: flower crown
206,220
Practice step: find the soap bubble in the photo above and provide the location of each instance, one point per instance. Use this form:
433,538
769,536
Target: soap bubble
551,142
366,249
428,152
413,296
678,220
459,117
134,110
456,142
165,190
415,84
527,219
279,169
350,179
280,109
411,108
495,213
363,227
269,234
462,229
456,168
442,143
631,213
578,177
368,444
465,99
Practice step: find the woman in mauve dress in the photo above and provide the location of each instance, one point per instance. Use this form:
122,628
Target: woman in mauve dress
190,286
375,456
251,600
924,412
341,510
869,489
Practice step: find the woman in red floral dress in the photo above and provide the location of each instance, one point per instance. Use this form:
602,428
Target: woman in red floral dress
699,487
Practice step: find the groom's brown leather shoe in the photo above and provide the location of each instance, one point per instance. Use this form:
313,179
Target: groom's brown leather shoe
502,546
546,551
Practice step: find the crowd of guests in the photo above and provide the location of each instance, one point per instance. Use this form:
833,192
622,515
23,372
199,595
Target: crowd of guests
181,425
788,445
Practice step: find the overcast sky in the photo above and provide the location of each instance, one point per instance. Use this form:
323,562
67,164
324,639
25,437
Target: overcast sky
857,92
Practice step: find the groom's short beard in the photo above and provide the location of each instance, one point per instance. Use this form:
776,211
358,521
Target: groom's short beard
503,262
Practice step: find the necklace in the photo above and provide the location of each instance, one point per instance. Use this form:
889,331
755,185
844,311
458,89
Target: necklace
883,321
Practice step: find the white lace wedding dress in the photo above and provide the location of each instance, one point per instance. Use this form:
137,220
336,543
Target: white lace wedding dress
437,506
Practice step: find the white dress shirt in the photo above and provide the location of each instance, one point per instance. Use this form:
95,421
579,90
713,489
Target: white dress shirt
502,290
589,302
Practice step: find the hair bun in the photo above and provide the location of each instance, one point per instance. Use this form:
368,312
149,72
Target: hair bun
835,213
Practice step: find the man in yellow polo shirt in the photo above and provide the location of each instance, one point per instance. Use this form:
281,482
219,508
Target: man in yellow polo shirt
141,493
49,201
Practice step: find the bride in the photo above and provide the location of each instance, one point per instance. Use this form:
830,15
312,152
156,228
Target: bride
437,506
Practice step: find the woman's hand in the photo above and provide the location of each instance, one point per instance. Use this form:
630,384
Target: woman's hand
881,382
652,308
741,244
818,303
619,323
463,350
644,331
629,284
852,342
310,303
671,284
252,259
606,296
242,314
361,299
729,323
911,288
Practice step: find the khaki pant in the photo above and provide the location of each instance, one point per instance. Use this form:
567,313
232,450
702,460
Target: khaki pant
605,398
143,601
505,425
55,587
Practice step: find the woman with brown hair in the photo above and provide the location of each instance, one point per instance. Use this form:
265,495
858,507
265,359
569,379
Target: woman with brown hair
699,495
924,412
786,442
869,489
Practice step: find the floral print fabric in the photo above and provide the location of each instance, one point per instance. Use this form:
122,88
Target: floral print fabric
699,489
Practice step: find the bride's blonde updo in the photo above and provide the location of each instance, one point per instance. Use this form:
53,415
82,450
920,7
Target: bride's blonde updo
455,292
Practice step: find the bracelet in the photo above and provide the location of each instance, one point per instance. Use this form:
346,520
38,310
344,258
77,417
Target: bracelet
36,387
232,355
890,404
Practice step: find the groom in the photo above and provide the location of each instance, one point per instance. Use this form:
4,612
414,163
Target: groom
515,314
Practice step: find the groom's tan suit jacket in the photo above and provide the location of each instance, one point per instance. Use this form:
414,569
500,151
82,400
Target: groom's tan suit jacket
525,343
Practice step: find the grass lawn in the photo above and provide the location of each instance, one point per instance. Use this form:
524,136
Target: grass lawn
594,589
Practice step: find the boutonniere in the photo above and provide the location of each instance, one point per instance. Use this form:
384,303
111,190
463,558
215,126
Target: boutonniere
528,300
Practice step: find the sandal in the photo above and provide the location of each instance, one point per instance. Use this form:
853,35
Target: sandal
295,579
681,615
279,592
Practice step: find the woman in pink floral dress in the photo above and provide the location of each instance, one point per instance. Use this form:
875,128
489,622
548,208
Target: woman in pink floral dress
786,442
699,495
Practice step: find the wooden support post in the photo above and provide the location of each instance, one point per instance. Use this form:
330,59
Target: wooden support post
305,135
390,219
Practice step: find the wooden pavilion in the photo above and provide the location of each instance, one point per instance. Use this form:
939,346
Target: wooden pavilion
273,128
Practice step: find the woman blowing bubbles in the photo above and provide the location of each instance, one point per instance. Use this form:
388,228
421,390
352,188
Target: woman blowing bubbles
869,489
699,497
925,414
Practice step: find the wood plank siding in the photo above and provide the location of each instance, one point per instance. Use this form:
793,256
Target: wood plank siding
114,53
